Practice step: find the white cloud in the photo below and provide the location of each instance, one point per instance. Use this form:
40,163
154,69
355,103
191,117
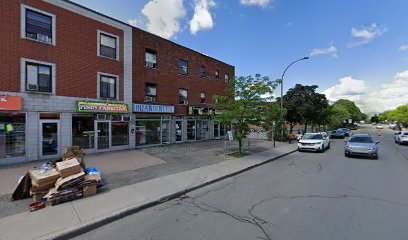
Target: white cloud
403,48
132,22
367,34
332,51
370,100
164,17
202,19
261,3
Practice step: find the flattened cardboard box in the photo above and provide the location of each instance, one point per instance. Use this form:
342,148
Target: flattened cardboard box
68,167
43,178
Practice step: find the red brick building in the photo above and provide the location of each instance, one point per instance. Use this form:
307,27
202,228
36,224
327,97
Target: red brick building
72,76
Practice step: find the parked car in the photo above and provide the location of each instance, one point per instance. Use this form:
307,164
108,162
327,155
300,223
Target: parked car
361,145
379,126
338,134
401,137
353,127
317,142
346,131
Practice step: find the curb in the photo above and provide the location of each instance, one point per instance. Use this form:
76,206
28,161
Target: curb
96,223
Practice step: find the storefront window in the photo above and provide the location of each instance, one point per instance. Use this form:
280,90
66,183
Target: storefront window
120,133
148,132
191,130
12,135
83,133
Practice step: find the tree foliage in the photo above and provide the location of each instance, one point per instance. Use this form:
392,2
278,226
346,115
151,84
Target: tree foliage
400,114
243,104
352,109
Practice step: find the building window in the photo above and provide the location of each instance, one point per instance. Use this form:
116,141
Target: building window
151,92
217,75
37,25
203,71
38,77
12,135
83,133
107,87
120,133
202,97
183,67
183,96
108,45
151,59
226,79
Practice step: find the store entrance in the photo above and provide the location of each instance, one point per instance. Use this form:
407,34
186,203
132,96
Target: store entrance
103,134
49,142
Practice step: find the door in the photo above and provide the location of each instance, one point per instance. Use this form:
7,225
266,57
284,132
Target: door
165,131
199,129
49,142
102,135
205,130
216,130
179,131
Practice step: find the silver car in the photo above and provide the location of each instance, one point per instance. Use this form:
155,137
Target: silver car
361,145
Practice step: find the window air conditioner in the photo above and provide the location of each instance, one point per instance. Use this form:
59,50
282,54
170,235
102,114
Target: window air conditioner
101,117
42,38
126,118
150,64
149,99
185,102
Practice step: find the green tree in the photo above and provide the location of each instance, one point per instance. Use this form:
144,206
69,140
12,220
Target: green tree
272,120
243,103
338,114
350,106
304,106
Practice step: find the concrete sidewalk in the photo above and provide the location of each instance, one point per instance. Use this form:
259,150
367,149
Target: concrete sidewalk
74,217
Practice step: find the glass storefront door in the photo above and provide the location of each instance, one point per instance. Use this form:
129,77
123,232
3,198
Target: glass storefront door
216,130
165,131
199,130
191,129
205,132
49,138
103,135
179,131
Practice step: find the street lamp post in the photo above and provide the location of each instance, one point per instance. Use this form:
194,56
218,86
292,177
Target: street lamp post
281,82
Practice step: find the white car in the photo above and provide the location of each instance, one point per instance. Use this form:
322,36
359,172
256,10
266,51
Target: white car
379,126
401,137
317,142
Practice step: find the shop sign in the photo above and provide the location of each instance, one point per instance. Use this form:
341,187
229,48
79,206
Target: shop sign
10,103
100,107
146,108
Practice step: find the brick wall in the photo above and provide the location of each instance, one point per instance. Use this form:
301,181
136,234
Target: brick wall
75,53
167,76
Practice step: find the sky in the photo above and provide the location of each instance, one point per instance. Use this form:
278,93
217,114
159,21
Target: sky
358,49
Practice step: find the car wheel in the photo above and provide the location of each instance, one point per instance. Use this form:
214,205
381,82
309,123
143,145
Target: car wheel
375,157
328,146
346,155
299,150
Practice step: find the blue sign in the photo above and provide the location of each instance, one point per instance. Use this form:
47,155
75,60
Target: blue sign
146,108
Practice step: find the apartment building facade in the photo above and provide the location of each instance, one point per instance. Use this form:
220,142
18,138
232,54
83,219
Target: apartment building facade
72,76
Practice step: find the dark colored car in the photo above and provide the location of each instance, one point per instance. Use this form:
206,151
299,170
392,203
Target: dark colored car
346,131
338,134
353,127
361,145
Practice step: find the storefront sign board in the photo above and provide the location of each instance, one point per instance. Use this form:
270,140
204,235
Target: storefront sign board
146,108
100,107
10,103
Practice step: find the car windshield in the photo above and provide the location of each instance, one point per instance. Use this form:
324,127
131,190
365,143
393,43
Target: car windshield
361,140
405,134
313,136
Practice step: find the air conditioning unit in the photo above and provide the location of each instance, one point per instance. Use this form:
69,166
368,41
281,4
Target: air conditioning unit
102,117
150,64
149,99
185,102
42,38
125,118
32,87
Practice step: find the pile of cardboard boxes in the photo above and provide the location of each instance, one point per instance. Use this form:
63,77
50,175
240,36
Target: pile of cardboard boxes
55,183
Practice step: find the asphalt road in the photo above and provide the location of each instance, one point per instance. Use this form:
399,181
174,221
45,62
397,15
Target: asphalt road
301,196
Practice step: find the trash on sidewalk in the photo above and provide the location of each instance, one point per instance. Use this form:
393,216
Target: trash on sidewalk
68,167
55,183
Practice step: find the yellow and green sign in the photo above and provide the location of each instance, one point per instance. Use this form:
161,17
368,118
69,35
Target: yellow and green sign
100,107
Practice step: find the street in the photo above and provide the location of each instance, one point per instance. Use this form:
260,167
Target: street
300,196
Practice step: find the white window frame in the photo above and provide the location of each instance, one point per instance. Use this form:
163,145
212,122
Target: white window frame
99,32
23,24
23,74
98,84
